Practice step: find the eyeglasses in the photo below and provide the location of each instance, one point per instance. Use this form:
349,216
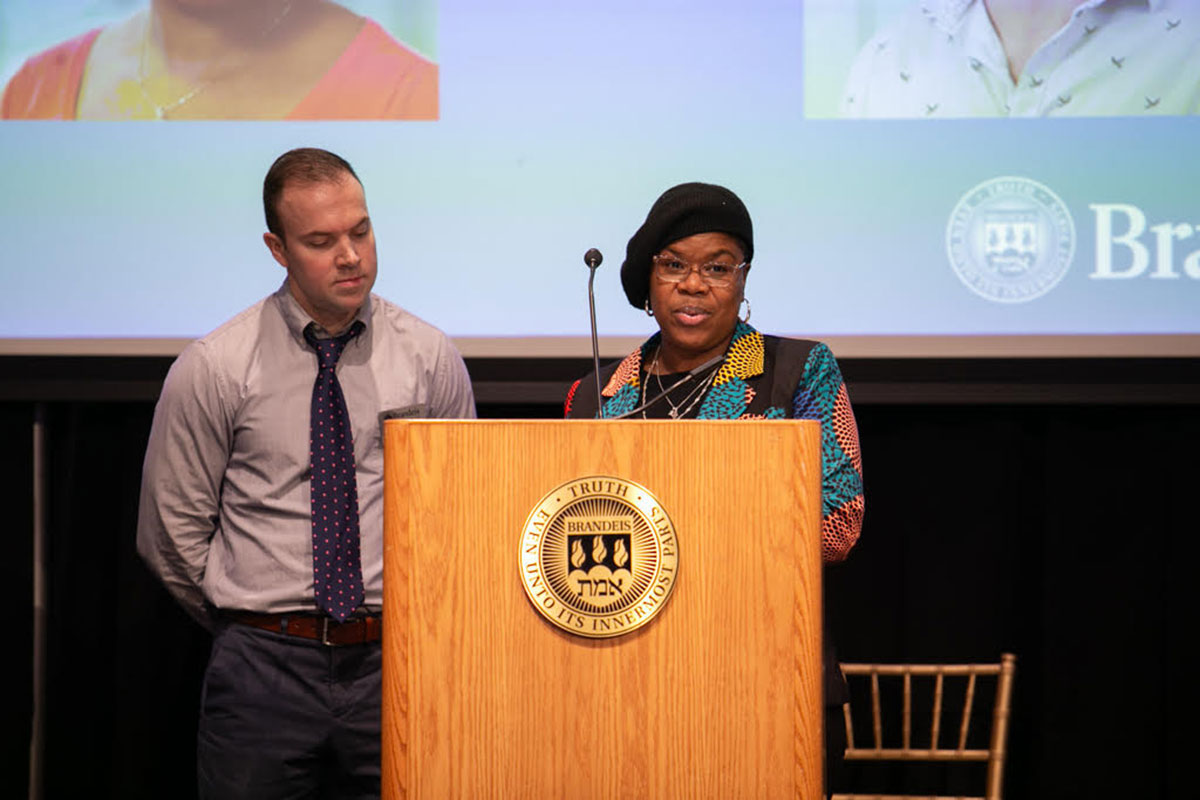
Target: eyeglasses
672,269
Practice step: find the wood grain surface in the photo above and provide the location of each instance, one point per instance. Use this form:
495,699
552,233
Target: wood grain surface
718,696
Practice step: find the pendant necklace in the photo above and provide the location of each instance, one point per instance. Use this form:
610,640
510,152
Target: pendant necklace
161,111
689,402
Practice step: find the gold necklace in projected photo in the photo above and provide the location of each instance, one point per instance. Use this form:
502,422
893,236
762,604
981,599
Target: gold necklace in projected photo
139,97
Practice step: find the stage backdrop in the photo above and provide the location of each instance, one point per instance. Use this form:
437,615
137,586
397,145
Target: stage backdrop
1070,230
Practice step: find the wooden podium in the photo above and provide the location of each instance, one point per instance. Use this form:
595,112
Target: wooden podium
719,695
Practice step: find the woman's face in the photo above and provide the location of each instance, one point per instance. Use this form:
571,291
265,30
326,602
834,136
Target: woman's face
697,319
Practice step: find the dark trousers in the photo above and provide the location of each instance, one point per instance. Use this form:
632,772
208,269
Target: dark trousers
283,717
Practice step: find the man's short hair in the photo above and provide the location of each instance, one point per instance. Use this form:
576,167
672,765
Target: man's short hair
302,165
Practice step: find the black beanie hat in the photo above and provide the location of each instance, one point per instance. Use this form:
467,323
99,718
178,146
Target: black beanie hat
682,211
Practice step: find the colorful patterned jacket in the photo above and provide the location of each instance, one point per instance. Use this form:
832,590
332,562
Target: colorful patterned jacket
765,377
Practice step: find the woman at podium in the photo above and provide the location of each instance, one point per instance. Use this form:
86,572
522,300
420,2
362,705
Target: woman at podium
687,267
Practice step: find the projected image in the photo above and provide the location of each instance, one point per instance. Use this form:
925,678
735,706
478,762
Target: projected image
939,59
218,59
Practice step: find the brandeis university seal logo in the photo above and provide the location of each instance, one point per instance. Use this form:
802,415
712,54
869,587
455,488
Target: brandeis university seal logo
599,556
1010,239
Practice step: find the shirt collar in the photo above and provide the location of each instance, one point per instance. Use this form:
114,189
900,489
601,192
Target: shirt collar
948,15
297,319
744,359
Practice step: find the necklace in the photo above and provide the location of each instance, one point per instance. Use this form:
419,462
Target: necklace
161,111
689,401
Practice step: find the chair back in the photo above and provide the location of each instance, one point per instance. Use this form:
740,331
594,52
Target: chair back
944,741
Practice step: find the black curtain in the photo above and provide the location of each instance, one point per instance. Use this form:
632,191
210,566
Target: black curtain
1055,532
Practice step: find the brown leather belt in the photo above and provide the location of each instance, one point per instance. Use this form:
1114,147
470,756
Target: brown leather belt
327,631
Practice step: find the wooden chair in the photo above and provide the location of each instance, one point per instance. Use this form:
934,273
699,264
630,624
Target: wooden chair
909,751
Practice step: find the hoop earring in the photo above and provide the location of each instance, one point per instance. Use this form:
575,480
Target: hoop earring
746,318
649,311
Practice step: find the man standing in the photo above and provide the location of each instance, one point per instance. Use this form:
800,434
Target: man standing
262,494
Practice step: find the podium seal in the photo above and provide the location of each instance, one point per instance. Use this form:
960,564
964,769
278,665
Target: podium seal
599,556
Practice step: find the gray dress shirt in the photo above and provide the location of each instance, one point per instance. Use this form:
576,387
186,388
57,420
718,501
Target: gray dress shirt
224,519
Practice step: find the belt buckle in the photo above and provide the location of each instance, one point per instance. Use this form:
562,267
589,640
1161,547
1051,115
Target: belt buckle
325,632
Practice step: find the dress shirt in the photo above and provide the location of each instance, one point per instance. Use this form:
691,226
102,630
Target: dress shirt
943,58
224,518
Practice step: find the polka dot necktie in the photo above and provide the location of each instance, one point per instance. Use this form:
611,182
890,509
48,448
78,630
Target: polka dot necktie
337,566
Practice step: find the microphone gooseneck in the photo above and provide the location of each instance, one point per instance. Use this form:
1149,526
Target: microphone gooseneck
592,258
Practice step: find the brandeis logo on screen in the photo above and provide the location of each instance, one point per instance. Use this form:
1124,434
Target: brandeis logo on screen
1012,239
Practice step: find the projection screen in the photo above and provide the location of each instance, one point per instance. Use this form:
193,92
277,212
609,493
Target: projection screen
910,196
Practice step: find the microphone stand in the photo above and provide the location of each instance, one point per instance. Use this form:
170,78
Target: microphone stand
593,258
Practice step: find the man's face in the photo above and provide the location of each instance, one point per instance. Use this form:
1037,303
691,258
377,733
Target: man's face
327,247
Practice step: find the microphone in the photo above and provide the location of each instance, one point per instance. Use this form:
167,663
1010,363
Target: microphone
691,376
592,258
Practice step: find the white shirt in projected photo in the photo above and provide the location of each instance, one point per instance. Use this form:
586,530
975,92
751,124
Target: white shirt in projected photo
981,58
